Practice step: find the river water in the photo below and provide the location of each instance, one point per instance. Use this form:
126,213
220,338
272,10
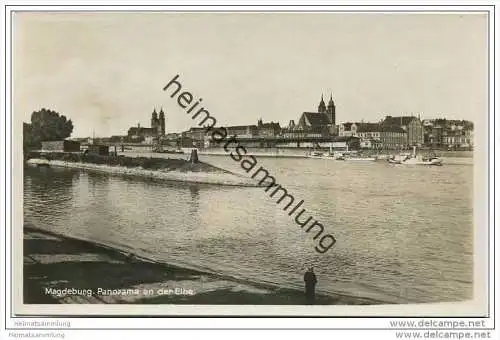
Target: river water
404,233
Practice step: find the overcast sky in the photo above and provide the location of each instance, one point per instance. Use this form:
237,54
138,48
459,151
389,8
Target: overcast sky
106,71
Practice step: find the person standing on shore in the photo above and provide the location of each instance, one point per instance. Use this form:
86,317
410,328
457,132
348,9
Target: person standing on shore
310,283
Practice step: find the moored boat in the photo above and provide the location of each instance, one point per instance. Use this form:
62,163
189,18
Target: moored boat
414,159
338,156
419,160
326,155
315,154
394,161
382,157
171,151
361,159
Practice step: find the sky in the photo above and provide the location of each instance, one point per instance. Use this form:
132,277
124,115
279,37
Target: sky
106,71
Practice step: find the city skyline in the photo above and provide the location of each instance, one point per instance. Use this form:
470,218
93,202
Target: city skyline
144,123
100,71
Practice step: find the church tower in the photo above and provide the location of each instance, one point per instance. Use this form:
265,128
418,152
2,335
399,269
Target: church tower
154,120
331,111
162,122
322,106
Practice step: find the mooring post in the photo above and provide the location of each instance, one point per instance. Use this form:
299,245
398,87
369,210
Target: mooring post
194,156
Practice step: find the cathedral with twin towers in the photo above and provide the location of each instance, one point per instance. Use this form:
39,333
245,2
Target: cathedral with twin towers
321,122
157,128
158,122
328,110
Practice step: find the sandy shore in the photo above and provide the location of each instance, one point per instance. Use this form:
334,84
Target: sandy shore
98,274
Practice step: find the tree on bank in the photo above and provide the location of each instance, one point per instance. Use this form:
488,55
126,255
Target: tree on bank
45,125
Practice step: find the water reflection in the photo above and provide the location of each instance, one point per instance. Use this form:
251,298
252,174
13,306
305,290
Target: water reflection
194,190
46,187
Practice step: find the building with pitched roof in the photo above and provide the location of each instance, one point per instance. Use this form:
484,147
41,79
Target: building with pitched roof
393,137
200,135
268,129
411,124
347,129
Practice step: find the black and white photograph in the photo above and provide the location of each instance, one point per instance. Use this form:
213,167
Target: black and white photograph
305,161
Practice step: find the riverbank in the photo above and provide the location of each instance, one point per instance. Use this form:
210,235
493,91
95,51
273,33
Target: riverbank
101,274
174,169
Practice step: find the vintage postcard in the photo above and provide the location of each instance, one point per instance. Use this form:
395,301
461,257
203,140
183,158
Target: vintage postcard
250,163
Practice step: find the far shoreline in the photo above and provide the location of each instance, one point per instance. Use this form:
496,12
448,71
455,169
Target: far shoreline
279,152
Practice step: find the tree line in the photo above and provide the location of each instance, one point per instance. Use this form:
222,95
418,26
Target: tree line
46,125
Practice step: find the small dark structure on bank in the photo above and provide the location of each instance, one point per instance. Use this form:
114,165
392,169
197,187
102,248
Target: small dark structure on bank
193,158
60,146
95,149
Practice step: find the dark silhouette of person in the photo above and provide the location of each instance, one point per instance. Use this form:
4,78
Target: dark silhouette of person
310,282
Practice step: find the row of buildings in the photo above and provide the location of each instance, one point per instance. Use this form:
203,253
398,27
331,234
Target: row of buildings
407,131
441,133
319,127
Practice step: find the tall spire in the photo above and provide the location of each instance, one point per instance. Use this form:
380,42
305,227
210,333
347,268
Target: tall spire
331,110
161,123
321,106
